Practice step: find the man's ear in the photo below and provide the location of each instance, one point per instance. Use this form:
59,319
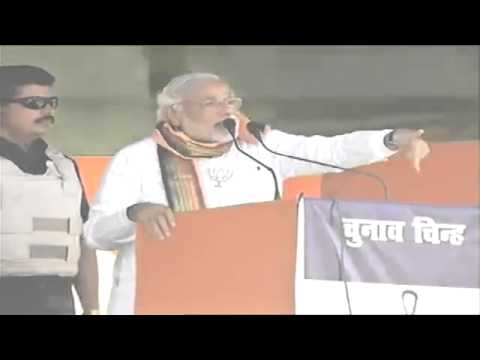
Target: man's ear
173,114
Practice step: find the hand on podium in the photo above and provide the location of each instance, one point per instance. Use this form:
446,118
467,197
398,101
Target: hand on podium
157,219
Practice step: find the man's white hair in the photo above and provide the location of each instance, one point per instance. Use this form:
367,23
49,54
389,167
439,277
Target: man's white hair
174,91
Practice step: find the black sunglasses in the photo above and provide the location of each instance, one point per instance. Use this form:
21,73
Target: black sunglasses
35,102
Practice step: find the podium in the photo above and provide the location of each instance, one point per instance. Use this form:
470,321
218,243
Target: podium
284,258
231,260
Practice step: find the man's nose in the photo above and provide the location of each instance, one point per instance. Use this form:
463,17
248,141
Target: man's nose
227,110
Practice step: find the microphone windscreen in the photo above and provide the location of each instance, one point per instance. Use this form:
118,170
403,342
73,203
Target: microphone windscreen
229,124
255,128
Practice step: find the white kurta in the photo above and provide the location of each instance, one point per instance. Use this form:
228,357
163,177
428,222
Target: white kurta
134,176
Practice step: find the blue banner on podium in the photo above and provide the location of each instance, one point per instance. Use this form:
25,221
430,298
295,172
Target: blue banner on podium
381,242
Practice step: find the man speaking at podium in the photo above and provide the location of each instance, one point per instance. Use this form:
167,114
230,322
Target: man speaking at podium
190,163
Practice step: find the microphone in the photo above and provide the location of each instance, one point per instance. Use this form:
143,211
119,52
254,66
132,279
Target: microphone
256,129
230,125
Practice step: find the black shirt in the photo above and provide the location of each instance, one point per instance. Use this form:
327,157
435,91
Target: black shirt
34,161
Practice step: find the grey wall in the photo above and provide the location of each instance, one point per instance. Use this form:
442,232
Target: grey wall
326,89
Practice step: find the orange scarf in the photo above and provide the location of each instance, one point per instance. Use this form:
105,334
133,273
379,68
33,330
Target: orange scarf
178,156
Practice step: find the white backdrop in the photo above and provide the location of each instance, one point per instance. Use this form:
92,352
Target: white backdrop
330,297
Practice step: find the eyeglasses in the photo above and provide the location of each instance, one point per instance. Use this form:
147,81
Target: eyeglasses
34,102
234,102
